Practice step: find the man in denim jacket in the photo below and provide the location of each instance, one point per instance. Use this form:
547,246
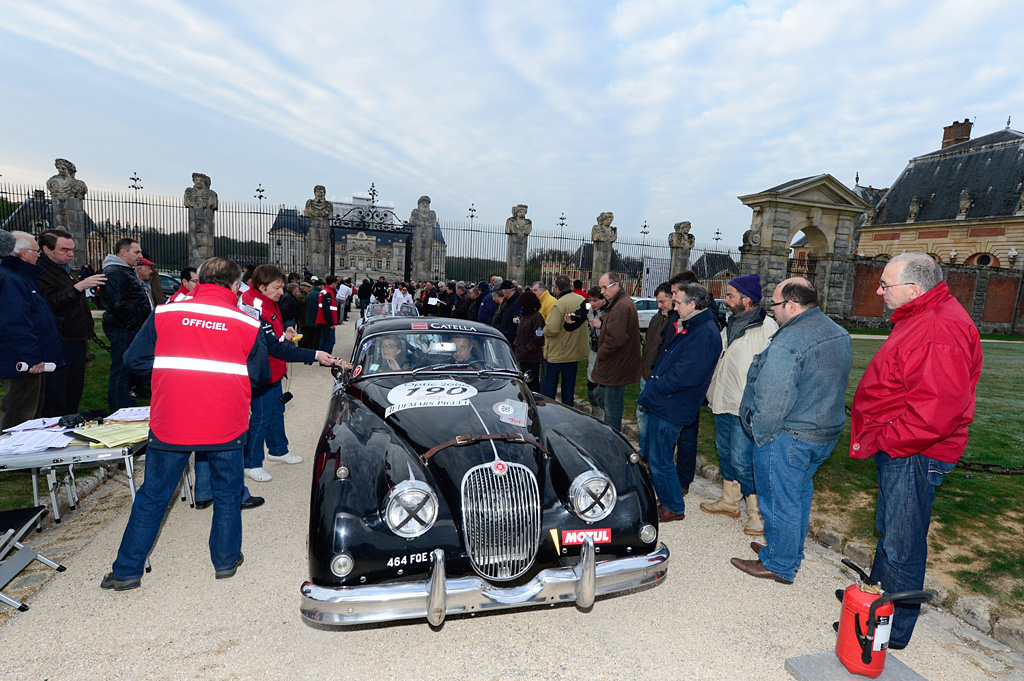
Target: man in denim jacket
794,407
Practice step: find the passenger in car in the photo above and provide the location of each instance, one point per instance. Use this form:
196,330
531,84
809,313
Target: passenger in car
393,355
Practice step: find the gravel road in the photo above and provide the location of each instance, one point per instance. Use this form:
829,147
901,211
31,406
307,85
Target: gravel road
706,621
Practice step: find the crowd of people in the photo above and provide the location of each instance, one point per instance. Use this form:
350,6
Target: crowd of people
774,377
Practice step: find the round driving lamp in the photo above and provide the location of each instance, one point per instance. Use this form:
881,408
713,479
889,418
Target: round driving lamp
648,534
342,564
411,508
592,495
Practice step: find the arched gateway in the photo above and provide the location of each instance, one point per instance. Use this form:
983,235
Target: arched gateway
805,228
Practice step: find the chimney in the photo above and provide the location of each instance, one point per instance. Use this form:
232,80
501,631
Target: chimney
956,133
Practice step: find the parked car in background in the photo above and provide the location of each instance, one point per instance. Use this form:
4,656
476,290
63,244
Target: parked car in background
442,485
646,308
170,284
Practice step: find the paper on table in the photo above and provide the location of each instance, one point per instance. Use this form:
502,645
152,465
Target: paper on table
36,424
32,441
114,434
130,414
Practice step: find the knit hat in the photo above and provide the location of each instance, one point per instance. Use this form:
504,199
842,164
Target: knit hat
6,242
506,285
749,285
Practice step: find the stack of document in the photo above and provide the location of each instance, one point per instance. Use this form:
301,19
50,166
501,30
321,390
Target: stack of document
28,441
130,414
114,434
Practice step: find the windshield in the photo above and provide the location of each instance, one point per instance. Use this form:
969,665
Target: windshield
384,310
410,350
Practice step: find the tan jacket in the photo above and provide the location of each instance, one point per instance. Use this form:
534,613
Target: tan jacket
561,345
730,378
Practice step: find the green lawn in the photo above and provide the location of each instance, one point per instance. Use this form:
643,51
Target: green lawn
975,517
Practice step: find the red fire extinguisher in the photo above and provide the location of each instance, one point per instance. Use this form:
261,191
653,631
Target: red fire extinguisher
865,622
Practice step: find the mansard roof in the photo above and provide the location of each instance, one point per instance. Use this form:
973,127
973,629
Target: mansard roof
990,168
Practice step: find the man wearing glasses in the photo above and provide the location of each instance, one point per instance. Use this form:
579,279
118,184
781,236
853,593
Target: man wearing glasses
794,406
911,413
618,348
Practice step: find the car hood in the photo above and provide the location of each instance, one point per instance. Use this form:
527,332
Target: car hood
433,409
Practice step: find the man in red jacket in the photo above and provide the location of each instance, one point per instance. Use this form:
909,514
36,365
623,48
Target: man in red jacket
911,412
204,354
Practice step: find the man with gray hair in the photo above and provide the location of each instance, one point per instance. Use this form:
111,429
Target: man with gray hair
547,301
675,391
30,338
618,348
911,412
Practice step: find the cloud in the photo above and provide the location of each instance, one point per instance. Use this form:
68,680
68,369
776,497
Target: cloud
659,110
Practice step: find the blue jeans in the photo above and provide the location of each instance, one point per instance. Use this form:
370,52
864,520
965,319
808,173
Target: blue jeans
119,383
326,338
202,487
906,491
614,396
735,452
641,419
686,453
266,424
549,384
659,441
163,471
784,470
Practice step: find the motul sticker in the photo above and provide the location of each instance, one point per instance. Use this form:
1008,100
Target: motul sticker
419,326
576,537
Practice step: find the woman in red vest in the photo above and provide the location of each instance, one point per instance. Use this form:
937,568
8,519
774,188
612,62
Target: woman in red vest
266,419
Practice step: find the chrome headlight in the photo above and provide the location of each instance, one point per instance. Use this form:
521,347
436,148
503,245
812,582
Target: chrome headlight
411,508
593,496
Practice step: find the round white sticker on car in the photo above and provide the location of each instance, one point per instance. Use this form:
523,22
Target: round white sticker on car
435,393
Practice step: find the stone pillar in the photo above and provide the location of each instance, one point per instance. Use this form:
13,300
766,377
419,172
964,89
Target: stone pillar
201,202
518,228
680,242
317,244
423,221
603,235
66,195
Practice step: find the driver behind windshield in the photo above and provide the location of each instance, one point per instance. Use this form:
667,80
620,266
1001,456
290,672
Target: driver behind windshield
392,355
464,348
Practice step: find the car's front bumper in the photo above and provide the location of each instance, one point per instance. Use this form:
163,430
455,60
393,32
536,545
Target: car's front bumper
439,596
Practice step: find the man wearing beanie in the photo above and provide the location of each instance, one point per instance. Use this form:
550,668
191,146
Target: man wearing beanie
746,334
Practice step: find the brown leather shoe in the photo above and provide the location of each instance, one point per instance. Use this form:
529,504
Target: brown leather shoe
756,548
667,516
755,569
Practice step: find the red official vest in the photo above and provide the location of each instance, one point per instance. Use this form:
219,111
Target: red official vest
181,294
200,369
270,313
320,318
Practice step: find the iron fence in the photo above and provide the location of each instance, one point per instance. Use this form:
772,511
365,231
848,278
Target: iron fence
160,223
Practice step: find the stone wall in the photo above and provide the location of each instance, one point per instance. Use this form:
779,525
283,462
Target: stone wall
992,296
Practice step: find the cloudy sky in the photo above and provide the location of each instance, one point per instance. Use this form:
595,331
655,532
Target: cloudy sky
659,110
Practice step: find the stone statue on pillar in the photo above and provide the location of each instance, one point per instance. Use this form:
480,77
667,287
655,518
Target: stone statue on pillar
680,242
318,243
518,228
603,235
201,202
423,221
66,194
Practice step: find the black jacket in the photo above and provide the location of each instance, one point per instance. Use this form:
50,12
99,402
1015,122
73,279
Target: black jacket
289,306
380,291
507,319
365,290
126,301
69,305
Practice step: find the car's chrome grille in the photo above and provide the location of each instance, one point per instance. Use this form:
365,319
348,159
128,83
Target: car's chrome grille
501,519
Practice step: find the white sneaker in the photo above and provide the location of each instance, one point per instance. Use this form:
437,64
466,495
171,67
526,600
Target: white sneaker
258,474
287,458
